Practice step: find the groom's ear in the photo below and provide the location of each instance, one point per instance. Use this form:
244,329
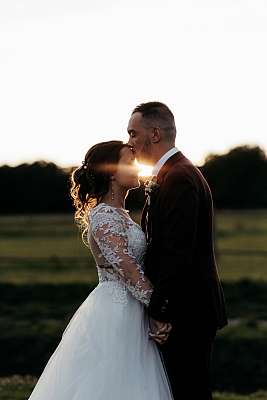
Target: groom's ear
155,137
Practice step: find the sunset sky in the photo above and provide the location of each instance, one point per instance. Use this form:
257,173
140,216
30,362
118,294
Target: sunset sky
72,71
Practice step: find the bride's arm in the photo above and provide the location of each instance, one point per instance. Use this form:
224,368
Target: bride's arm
107,229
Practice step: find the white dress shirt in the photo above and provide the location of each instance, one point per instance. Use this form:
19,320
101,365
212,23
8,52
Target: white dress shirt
162,160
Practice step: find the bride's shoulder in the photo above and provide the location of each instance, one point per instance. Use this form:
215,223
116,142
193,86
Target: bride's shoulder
100,208
103,211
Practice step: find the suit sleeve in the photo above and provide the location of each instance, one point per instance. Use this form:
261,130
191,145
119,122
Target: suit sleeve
178,210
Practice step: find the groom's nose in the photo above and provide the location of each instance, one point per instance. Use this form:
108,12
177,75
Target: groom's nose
131,143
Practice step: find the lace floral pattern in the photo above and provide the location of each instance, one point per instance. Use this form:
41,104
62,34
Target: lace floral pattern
118,246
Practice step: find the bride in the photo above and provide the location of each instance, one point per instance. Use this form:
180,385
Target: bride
105,352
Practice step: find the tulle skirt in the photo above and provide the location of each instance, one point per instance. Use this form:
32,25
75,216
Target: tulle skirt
105,354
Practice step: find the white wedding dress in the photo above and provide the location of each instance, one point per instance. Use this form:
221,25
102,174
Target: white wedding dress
105,352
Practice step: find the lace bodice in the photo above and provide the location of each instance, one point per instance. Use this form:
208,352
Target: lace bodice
118,245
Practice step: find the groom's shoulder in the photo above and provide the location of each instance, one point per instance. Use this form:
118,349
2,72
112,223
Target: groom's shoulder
183,170
183,173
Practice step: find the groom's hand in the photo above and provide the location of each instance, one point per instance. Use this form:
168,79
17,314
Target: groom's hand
159,331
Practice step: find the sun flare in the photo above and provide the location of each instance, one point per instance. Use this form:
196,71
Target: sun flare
144,170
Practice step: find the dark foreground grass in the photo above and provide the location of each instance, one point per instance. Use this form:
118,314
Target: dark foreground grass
33,318
18,387
245,299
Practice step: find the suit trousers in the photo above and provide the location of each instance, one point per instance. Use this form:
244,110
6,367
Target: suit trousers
187,357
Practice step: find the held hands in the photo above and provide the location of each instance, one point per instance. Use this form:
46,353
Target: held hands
159,331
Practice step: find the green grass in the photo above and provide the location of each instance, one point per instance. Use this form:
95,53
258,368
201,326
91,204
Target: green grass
242,221
244,231
234,268
52,270
261,395
40,236
18,387
48,248
43,249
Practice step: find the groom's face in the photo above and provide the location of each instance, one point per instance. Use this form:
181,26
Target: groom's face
139,138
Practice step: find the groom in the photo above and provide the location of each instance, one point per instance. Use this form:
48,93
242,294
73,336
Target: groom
180,261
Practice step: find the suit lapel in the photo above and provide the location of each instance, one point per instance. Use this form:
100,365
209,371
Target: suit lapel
146,217
143,217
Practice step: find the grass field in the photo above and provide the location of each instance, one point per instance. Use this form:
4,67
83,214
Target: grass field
45,269
243,233
48,248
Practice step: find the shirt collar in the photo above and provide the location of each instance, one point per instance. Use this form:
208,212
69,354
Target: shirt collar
163,159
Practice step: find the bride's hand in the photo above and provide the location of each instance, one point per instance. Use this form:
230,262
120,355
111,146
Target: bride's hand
159,331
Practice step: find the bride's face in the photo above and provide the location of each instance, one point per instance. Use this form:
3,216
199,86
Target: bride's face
127,170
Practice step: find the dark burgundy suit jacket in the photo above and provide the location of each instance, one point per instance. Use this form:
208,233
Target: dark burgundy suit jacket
180,260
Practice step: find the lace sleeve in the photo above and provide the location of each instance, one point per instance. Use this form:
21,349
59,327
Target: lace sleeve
108,230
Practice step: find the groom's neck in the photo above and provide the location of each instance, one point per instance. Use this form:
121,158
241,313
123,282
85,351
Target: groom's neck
160,150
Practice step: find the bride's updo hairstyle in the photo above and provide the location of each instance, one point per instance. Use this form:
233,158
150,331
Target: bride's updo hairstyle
90,182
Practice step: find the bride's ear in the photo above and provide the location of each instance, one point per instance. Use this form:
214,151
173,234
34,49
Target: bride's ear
112,180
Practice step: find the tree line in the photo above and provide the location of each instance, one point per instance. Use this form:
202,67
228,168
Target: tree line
238,180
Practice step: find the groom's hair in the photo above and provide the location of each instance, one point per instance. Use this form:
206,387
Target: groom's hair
158,115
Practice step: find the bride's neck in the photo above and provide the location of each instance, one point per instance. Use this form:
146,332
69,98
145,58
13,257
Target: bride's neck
115,199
